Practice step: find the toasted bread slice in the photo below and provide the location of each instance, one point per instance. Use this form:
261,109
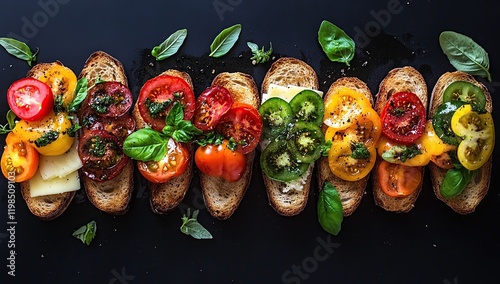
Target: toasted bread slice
350,192
289,71
165,197
467,201
222,197
399,79
51,206
111,196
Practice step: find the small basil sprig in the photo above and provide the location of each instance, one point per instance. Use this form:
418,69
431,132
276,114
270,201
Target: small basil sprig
81,91
336,44
330,215
86,233
170,46
456,179
19,49
259,55
191,227
11,123
465,54
224,41
150,145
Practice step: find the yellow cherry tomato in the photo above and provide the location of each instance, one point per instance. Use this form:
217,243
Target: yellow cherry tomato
62,81
49,136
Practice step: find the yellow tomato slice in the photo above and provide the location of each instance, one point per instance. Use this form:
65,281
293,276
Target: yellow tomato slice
343,107
345,166
62,81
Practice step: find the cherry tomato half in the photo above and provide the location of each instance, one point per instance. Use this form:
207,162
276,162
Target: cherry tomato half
30,99
211,105
19,159
220,161
398,180
172,165
403,117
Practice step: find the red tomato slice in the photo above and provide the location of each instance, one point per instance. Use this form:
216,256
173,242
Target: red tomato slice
211,105
158,95
403,117
398,180
110,99
30,99
243,123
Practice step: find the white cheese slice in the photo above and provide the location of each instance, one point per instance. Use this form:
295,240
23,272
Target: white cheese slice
61,165
41,187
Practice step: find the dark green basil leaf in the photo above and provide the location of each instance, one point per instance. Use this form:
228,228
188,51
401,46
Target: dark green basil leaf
329,209
19,49
225,41
465,54
336,44
191,227
170,46
80,95
146,145
454,182
86,233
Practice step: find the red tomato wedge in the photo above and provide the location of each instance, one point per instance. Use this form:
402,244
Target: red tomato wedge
211,105
30,99
157,96
398,180
403,118
242,123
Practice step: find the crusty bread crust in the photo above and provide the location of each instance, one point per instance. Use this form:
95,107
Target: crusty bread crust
222,197
399,79
112,196
467,201
289,71
350,192
164,197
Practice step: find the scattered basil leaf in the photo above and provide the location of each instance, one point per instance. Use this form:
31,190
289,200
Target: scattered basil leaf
336,44
224,41
259,55
18,49
81,90
170,46
11,123
329,209
465,54
146,145
454,182
86,233
191,227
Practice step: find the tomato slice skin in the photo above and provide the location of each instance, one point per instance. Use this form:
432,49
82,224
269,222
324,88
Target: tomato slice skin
174,164
211,105
19,159
220,161
161,89
398,180
30,99
403,117
243,123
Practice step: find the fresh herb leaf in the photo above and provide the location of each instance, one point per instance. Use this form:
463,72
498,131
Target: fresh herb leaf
329,209
19,49
465,54
170,46
73,129
146,145
401,153
58,104
359,151
11,123
259,55
86,233
325,148
176,127
156,108
336,44
47,138
224,41
455,180
211,138
191,227
81,90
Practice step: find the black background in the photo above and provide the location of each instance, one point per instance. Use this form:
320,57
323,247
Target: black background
430,244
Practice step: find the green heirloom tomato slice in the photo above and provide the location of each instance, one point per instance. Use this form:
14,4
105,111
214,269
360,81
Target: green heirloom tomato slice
441,121
278,163
305,141
308,106
465,92
276,116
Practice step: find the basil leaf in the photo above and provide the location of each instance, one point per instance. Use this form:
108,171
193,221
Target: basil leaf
465,54
175,115
336,44
191,227
86,233
225,41
19,49
329,209
81,90
11,123
259,55
146,145
170,46
454,182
